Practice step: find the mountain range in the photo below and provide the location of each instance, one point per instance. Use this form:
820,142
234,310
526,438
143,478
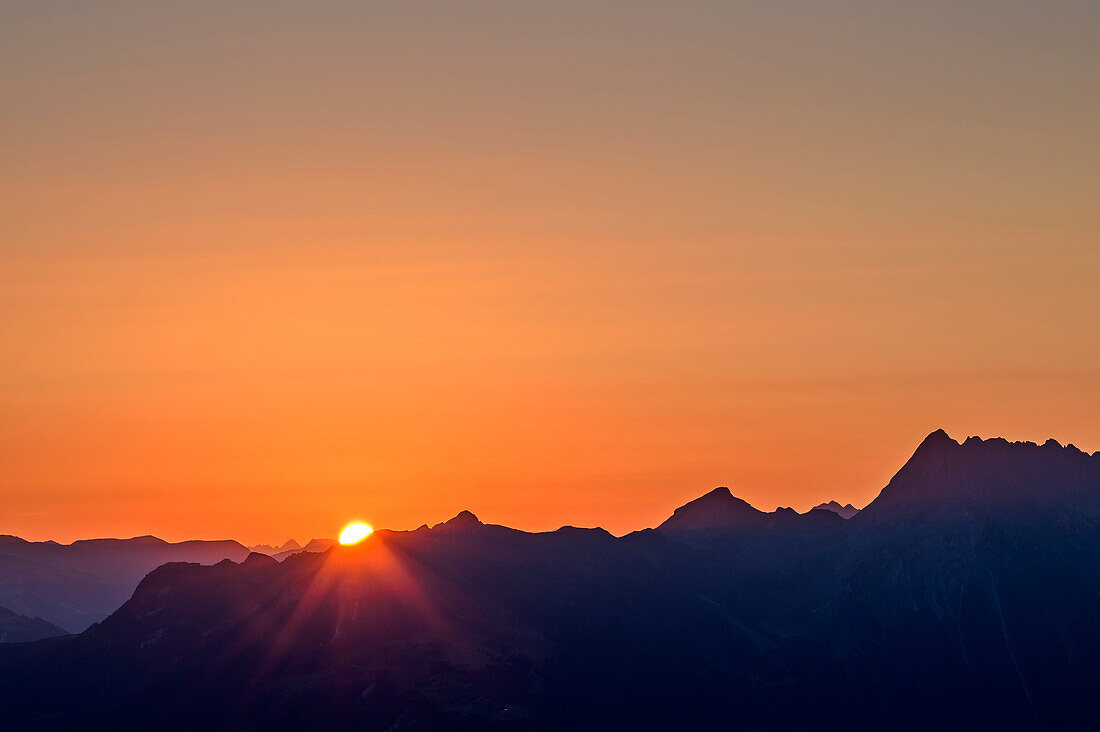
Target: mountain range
964,596
75,585
288,546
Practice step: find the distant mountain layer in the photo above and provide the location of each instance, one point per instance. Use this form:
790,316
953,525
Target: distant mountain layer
289,546
846,511
964,597
20,629
75,585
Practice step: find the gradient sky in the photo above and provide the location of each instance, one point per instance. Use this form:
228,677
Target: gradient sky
266,267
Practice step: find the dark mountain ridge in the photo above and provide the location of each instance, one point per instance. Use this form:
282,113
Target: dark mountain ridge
720,511
957,599
945,479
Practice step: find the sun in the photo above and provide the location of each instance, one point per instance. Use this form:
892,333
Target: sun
355,532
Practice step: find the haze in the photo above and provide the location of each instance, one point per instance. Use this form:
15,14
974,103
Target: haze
265,270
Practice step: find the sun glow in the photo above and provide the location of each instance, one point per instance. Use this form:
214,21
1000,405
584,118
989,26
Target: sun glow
355,532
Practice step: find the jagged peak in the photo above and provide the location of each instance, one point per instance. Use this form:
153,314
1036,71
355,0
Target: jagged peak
937,439
846,511
714,509
719,496
990,472
463,519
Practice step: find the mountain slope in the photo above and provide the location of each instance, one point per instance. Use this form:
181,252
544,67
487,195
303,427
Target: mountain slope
21,629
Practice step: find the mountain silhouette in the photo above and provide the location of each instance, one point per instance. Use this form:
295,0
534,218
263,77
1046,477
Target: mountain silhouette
945,480
75,585
289,546
964,597
463,521
21,629
718,509
846,511
292,547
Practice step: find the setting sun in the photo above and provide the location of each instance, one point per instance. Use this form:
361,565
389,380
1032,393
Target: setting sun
355,532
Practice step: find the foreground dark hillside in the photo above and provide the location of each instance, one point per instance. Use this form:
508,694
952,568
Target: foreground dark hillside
965,596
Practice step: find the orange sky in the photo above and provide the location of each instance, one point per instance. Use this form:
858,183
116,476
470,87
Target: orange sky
265,268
